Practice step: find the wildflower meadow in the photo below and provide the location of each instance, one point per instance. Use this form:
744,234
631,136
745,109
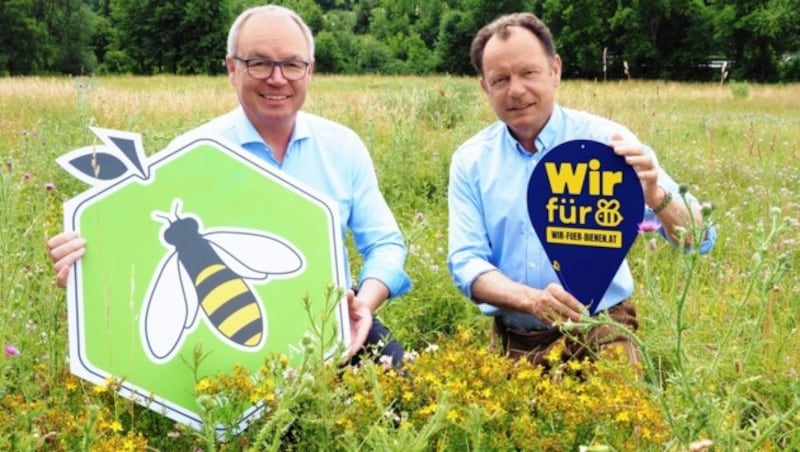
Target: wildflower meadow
718,333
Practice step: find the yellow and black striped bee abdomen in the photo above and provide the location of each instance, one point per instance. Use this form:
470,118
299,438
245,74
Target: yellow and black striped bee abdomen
229,304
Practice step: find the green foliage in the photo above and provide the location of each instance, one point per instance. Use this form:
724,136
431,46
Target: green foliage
718,332
309,10
668,39
740,90
581,35
183,37
452,49
201,40
789,68
329,57
24,44
760,33
70,25
373,55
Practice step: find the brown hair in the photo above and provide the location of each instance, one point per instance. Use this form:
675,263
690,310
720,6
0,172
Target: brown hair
500,27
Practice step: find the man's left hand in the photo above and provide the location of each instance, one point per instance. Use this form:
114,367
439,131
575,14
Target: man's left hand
643,163
360,324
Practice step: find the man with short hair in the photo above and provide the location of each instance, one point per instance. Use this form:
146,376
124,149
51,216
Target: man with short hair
270,62
495,257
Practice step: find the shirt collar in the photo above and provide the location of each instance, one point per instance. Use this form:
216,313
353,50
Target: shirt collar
547,137
246,133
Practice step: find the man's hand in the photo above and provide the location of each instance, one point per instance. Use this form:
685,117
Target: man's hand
643,163
554,304
65,249
360,324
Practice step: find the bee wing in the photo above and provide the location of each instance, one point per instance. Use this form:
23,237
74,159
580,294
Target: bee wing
171,308
256,256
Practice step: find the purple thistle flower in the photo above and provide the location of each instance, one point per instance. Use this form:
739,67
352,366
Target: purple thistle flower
648,226
26,176
11,351
49,186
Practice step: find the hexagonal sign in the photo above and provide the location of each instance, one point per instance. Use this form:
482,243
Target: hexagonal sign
201,244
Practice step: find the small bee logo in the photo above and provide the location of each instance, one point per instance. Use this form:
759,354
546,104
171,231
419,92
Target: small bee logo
209,271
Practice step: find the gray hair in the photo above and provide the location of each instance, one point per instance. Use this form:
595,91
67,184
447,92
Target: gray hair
233,34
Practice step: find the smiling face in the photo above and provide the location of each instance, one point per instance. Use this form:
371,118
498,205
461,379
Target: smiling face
520,80
271,104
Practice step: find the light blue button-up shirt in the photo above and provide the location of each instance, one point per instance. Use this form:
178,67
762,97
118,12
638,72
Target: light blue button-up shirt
333,160
489,226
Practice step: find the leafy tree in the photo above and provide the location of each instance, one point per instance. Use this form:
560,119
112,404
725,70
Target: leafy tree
757,35
309,10
71,26
329,56
391,24
102,38
482,11
373,55
202,37
426,17
635,27
581,34
171,35
452,44
24,47
46,36
419,59
657,38
336,44
683,42
137,34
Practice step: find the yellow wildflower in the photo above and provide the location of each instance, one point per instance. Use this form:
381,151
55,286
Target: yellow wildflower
202,385
574,365
345,423
453,416
115,426
129,444
554,355
428,410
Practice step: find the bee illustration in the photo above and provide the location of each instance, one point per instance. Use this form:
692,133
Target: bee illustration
209,272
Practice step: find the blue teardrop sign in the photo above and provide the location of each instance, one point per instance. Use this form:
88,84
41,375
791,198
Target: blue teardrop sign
585,204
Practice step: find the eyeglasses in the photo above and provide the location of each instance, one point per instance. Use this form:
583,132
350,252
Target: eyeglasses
262,68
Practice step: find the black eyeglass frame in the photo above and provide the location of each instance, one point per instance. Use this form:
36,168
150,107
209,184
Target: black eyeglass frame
248,63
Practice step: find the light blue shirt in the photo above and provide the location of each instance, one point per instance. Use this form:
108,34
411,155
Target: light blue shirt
489,226
333,160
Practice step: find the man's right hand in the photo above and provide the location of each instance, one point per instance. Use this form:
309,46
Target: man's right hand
554,304
65,249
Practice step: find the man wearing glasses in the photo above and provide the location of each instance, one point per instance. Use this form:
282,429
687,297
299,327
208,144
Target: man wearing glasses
270,61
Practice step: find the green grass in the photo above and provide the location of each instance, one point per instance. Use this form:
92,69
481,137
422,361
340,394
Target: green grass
720,330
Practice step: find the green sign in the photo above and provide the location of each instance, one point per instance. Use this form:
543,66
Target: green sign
201,244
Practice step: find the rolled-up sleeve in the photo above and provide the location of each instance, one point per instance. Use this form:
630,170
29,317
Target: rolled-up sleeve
375,231
468,244
709,233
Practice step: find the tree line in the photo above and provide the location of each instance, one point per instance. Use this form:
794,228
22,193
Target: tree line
684,40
